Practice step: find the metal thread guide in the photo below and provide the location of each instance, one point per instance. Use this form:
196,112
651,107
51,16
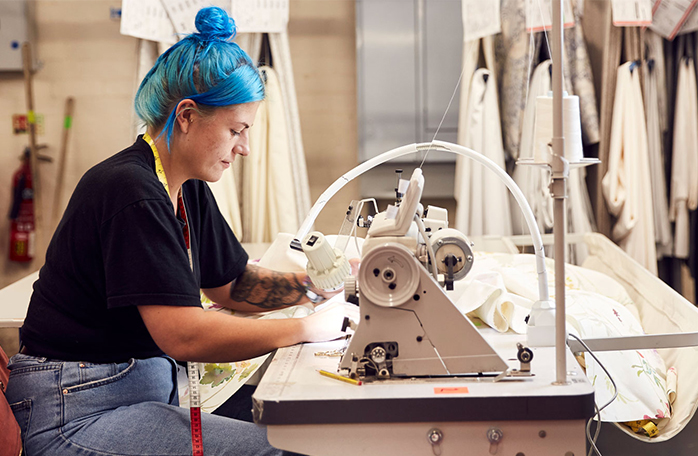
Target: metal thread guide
197,438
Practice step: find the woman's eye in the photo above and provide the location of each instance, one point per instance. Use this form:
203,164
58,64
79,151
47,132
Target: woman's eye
235,133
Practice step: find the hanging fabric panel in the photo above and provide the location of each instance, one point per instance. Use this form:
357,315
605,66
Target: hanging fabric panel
534,181
269,206
604,43
684,173
626,183
662,228
281,53
226,194
483,202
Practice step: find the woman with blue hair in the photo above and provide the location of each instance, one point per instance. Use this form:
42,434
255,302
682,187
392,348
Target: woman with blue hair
118,298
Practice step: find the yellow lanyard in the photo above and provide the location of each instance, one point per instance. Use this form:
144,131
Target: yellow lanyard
162,177
192,367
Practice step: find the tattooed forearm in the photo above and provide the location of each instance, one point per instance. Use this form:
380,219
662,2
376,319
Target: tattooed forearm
267,289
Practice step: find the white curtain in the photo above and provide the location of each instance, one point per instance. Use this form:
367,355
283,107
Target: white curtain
626,185
684,172
483,202
653,110
534,181
268,199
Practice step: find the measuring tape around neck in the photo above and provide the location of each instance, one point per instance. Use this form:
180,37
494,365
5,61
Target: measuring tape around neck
197,442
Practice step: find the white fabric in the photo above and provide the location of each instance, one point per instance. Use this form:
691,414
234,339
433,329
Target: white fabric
483,201
534,181
662,228
684,172
627,184
281,52
502,290
269,205
225,192
661,310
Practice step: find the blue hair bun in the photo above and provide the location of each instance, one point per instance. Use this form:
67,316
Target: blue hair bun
213,23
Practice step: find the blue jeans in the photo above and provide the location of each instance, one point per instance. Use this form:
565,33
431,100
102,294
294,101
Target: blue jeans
74,408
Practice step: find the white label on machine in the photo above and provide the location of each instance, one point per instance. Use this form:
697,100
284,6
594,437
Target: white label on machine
539,15
632,13
148,20
481,18
669,16
260,16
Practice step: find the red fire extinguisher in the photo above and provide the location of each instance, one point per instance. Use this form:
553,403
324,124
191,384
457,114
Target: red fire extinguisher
22,213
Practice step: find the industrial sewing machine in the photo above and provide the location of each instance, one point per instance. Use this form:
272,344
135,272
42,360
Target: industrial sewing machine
409,327
426,370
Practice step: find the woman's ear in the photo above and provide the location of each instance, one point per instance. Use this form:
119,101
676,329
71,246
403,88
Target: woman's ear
186,111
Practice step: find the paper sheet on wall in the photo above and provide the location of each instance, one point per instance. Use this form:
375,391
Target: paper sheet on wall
148,20
539,15
260,16
183,12
691,24
669,16
632,13
481,18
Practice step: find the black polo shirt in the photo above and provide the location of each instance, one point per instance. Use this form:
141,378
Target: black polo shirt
119,245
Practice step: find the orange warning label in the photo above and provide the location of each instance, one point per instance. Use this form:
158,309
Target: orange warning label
451,390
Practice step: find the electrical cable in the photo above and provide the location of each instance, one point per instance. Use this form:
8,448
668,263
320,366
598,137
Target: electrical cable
591,441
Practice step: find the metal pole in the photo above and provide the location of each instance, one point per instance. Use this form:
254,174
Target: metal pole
560,171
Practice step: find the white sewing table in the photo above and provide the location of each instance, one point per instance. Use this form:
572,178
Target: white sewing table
14,301
315,415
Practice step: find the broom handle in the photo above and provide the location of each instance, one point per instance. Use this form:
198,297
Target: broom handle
58,196
33,158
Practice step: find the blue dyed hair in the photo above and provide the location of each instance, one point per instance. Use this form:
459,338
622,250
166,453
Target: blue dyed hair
205,67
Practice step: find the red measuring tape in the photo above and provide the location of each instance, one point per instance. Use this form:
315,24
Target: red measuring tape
197,438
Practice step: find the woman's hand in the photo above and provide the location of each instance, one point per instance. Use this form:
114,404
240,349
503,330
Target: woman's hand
326,323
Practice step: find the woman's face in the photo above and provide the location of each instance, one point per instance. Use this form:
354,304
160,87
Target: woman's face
213,141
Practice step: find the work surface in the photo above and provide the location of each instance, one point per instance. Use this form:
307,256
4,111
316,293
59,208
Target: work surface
293,392
394,417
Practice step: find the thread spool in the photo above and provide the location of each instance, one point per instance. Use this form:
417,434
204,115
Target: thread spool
572,129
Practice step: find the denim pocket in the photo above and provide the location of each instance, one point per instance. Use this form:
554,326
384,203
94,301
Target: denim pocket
97,375
23,412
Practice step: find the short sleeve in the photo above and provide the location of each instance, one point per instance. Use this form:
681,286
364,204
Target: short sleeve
221,257
145,258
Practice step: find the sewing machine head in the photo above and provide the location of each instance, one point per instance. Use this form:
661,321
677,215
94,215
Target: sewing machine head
409,326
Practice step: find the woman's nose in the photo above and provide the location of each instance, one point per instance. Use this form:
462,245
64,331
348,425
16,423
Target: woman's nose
242,149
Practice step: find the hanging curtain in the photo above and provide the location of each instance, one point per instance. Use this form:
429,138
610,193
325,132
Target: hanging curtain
226,194
483,202
269,190
281,52
534,181
684,173
269,206
655,122
626,185
604,43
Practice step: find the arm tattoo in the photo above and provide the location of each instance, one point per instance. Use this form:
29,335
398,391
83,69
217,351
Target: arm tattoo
267,289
